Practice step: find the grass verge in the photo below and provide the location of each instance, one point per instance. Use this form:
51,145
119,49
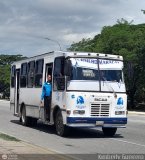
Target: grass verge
8,138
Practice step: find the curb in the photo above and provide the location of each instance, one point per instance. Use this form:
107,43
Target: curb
30,144
3,100
137,113
55,155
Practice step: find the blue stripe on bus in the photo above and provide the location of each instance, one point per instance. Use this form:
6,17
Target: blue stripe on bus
93,120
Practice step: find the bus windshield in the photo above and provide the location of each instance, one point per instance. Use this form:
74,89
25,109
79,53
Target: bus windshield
88,69
111,75
80,73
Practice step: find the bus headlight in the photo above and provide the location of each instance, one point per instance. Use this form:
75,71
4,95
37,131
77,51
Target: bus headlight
119,112
79,112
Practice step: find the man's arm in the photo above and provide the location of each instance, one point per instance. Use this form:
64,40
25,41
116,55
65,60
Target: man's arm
43,93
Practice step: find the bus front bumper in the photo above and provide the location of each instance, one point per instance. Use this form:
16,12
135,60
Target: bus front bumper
96,122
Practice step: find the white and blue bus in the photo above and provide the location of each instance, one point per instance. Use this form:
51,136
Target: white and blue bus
88,90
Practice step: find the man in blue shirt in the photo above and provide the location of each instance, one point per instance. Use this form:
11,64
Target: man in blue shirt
46,95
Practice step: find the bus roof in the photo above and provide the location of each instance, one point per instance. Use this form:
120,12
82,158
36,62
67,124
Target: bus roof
71,54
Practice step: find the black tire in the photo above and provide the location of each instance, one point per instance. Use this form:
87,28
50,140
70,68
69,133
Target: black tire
109,132
20,120
61,129
26,121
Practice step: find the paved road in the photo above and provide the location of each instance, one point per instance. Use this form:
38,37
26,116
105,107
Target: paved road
130,140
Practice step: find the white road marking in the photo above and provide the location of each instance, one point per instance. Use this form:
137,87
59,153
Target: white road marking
132,143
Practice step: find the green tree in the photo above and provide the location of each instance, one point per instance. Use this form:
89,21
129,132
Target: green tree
127,40
5,65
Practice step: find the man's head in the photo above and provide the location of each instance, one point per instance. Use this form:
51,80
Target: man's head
48,78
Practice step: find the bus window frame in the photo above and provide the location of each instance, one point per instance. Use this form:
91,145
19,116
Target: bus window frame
29,75
37,73
23,75
60,77
13,74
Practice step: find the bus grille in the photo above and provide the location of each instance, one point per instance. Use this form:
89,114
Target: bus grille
101,110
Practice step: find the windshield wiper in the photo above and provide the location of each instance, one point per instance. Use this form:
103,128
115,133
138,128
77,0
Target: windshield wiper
109,86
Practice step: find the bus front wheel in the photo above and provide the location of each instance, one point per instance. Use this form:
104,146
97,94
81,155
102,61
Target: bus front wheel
109,131
61,129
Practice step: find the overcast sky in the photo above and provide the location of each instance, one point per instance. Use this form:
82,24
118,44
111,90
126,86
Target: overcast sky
25,23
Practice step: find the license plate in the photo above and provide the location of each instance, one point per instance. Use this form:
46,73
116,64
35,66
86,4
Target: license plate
99,123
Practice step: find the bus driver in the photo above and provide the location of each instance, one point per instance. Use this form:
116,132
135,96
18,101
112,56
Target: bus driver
46,95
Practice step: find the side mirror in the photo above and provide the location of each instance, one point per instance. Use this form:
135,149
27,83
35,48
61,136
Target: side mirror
68,68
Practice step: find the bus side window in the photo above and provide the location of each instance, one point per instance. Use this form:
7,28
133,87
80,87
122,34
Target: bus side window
23,77
31,71
13,72
58,74
39,73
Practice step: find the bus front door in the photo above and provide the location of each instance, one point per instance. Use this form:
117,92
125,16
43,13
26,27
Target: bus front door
45,112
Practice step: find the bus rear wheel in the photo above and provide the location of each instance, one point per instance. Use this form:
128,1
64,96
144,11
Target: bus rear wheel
26,121
110,132
61,129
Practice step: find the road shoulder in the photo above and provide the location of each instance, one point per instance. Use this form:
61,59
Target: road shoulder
20,150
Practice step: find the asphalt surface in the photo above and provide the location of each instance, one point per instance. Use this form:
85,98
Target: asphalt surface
81,142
